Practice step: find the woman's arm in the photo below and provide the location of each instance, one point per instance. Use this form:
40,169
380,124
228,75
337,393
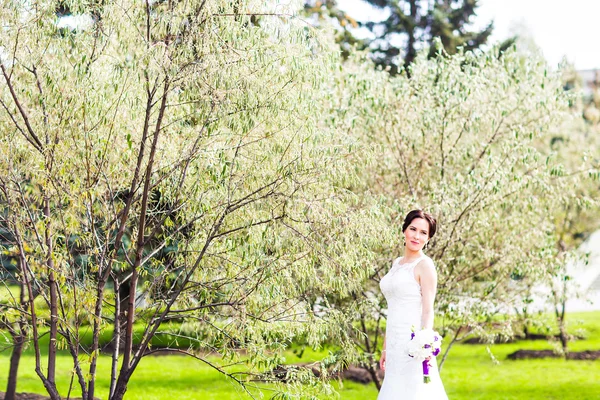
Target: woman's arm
427,277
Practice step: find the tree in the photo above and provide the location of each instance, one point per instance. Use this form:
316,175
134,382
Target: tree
576,149
412,25
210,105
467,137
418,23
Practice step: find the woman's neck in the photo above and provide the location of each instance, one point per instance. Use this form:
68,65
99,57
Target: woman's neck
411,255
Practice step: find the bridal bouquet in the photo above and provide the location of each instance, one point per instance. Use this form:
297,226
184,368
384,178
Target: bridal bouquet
423,345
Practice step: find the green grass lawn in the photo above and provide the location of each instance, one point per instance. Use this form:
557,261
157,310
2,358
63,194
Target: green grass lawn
469,373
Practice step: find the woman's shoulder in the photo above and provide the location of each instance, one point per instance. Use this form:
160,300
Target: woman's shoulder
426,258
426,262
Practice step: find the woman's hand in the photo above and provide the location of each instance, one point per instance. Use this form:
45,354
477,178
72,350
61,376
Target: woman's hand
382,361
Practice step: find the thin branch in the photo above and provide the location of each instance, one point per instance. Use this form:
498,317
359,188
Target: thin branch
37,143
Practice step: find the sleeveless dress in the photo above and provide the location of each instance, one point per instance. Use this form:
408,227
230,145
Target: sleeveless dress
403,374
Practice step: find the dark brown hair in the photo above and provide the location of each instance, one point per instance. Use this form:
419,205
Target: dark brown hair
420,214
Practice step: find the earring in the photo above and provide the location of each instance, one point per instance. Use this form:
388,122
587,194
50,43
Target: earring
426,244
404,242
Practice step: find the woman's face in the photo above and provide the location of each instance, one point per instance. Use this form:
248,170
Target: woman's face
417,234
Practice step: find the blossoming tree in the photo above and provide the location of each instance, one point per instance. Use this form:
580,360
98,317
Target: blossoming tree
170,149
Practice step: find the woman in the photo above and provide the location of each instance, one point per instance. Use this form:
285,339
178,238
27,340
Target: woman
409,288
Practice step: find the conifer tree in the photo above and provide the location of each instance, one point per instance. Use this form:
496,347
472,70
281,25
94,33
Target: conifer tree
411,26
417,23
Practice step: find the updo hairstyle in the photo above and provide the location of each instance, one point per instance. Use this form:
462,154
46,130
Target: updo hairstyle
420,214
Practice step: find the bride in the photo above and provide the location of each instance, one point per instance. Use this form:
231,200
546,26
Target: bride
409,289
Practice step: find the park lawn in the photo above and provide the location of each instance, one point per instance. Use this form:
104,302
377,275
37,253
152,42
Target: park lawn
469,373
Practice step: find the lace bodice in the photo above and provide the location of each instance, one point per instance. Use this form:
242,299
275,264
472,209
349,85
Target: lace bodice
403,294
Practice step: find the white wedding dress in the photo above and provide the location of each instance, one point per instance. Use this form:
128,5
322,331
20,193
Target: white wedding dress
404,375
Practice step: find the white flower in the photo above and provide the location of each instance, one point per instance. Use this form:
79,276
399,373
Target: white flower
418,352
424,344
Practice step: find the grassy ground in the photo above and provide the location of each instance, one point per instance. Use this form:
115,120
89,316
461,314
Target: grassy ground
469,373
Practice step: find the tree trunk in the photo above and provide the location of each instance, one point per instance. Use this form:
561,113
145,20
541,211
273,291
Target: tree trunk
560,309
454,339
370,349
563,334
119,318
411,52
52,285
120,387
564,339
373,373
53,327
123,297
17,336
15,358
